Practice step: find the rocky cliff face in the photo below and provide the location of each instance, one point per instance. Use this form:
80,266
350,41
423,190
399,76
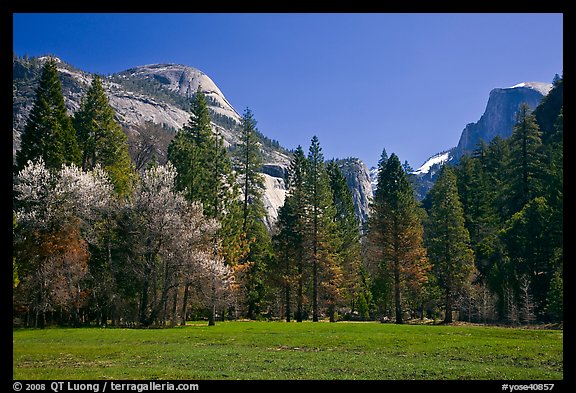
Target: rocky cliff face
498,120
500,115
153,94
359,182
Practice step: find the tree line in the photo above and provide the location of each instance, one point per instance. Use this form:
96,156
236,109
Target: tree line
99,240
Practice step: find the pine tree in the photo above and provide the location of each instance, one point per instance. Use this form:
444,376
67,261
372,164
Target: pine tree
259,256
297,198
201,161
285,242
381,285
48,133
204,173
395,231
549,108
477,197
528,237
101,139
556,297
448,240
524,171
348,232
320,229
249,162
494,166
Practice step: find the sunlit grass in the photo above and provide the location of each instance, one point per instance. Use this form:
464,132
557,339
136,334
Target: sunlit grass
278,350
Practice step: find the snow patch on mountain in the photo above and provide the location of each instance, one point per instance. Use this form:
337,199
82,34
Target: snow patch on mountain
439,159
44,58
541,87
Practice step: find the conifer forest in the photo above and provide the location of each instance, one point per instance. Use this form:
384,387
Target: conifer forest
101,238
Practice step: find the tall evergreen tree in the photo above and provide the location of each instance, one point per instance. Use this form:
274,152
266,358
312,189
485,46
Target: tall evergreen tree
478,201
549,108
320,227
284,245
289,240
348,232
525,168
448,240
48,133
200,160
528,237
249,162
100,137
494,166
297,197
204,173
395,230
381,279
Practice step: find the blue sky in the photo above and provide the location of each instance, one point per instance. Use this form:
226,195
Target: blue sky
361,82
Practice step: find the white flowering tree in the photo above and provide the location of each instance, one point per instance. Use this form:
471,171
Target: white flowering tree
83,252
172,246
55,211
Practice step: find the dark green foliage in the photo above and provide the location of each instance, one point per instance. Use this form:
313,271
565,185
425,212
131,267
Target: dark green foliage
290,265
495,165
259,256
151,87
512,194
549,108
248,163
527,237
347,230
48,132
525,170
448,240
321,228
477,196
283,268
396,236
101,139
201,161
556,297
317,243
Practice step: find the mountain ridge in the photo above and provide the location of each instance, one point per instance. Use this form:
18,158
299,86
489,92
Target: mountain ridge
151,103
498,119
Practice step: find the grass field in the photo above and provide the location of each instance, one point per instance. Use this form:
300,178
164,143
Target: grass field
277,350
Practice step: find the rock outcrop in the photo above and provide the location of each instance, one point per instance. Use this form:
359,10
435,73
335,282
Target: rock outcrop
500,115
358,179
158,94
498,119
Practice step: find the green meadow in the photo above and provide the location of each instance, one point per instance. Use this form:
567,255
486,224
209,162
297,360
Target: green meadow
288,351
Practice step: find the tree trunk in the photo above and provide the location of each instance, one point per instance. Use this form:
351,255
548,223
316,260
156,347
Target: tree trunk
212,312
174,317
184,304
331,312
315,290
288,310
397,295
300,299
211,316
144,304
448,316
